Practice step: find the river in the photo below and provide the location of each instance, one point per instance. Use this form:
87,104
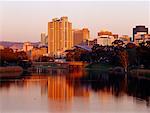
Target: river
80,91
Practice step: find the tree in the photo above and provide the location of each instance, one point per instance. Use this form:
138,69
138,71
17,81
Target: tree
118,43
124,59
143,53
7,55
132,54
148,43
21,55
69,55
43,58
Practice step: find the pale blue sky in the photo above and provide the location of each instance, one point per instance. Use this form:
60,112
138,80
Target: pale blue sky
24,21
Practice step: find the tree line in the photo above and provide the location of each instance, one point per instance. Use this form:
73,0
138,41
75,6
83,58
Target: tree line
128,56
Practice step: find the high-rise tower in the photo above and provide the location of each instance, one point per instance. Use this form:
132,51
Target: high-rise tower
60,35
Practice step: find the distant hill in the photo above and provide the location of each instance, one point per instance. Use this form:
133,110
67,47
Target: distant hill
17,45
9,44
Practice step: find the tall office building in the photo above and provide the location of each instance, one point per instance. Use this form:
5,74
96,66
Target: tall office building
60,35
80,36
139,33
44,38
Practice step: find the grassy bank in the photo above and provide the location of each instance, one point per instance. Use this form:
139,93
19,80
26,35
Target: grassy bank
98,66
10,69
140,72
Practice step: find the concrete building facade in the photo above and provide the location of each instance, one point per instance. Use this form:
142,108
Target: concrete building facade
27,46
80,36
60,36
38,52
105,38
44,39
125,38
139,33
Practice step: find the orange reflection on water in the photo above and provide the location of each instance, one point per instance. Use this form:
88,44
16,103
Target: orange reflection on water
36,80
78,73
80,91
105,95
58,89
65,93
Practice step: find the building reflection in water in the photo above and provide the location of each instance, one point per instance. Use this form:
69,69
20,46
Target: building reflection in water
61,85
65,88
118,86
139,88
58,89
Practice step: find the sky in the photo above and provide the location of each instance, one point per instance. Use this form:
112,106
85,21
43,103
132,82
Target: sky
22,21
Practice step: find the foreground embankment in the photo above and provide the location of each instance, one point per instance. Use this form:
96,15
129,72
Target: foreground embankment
10,71
142,73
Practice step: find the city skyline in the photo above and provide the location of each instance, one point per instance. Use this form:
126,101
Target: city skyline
25,21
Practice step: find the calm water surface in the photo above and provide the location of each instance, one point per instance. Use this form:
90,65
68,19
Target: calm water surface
79,91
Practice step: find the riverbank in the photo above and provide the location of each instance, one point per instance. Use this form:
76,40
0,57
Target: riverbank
142,73
145,73
98,66
11,69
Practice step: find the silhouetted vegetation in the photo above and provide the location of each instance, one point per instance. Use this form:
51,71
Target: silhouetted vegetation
128,56
9,57
44,59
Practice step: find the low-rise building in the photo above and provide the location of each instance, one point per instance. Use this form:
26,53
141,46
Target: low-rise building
91,42
38,52
1,47
147,37
105,38
125,38
27,46
116,37
141,38
139,32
